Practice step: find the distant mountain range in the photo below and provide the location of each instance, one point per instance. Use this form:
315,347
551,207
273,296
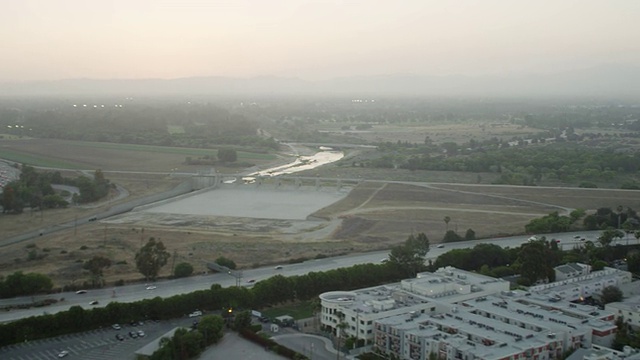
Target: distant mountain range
602,81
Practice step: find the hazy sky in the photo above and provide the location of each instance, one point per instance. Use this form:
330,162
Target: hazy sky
59,39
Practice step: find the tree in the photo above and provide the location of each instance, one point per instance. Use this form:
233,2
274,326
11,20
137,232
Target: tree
576,214
620,208
26,284
611,294
410,256
8,199
609,235
470,235
242,320
151,258
451,236
183,269
95,266
447,219
211,327
633,262
537,259
223,261
227,155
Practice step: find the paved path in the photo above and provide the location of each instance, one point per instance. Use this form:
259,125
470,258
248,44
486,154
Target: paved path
233,346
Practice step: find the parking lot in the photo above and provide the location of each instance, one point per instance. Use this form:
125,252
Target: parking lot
100,344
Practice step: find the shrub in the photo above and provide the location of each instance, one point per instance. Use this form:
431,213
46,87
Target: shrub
183,269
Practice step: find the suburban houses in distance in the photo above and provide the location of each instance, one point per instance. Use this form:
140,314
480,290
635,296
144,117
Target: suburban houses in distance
456,314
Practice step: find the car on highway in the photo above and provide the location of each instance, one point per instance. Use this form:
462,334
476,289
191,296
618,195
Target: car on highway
94,302
279,267
63,353
196,313
251,281
79,292
440,246
151,287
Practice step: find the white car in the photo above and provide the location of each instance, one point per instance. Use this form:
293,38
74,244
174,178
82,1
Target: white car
440,246
63,353
279,267
196,313
81,292
151,287
116,326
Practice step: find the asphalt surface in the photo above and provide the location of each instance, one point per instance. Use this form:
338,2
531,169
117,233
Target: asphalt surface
99,344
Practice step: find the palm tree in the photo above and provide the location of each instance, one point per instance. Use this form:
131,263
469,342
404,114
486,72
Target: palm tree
340,329
619,209
446,221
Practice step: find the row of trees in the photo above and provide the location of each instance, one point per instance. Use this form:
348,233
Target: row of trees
154,123
565,162
273,291
614,223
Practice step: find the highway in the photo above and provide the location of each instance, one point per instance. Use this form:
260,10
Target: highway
131,293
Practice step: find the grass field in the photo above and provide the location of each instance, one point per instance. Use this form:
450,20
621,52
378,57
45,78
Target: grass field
107,156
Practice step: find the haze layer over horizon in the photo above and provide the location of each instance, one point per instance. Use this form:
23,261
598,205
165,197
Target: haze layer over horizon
312,40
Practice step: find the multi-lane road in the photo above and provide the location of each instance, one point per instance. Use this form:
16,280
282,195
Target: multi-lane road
249,277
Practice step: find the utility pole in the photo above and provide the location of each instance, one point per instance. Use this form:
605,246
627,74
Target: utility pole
75,226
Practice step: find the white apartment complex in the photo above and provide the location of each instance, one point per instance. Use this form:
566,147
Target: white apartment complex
628,310
455,314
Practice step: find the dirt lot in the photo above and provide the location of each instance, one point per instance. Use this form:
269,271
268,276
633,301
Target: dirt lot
374,215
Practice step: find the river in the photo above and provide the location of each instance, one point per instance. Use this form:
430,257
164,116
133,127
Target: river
301,163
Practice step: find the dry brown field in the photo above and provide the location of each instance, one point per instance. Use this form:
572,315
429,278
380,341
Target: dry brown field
374,215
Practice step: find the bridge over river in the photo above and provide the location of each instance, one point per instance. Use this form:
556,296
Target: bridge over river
213,179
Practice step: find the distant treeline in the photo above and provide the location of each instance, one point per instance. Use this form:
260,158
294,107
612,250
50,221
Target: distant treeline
181,125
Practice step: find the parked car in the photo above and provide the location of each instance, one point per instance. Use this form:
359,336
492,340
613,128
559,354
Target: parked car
116,327
119,337
196,313
63,353
133,334
141,333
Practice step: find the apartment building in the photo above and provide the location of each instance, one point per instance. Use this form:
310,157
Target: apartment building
456,314
628,310
428,293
